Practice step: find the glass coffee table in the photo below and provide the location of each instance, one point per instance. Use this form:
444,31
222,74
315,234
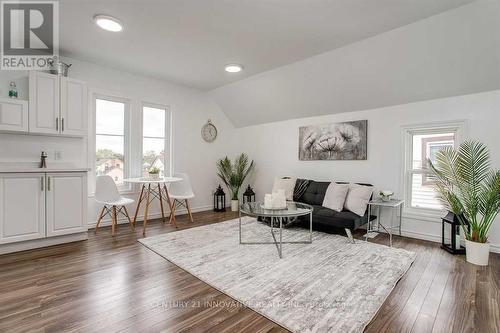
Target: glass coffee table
293,209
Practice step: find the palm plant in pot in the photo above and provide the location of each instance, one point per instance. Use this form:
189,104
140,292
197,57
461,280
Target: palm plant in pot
233,175
469,188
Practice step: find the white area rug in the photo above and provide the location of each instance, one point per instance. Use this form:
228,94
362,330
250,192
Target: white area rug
330,285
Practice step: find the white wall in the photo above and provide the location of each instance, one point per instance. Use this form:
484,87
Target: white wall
190,108
274,148
450,54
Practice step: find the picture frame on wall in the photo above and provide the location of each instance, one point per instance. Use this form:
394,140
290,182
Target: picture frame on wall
334,141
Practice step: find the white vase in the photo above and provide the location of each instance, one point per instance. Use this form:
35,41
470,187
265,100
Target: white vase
477,253
235,205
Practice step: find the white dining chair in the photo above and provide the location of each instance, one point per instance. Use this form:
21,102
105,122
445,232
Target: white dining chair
180,193
106,193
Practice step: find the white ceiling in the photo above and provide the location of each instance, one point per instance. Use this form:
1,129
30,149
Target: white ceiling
190,41
454,53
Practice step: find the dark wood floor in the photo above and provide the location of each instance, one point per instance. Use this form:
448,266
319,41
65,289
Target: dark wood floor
111,284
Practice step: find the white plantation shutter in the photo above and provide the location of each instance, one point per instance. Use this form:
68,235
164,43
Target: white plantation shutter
424,143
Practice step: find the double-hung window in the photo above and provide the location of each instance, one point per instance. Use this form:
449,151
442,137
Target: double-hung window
111,138
422,143
155,139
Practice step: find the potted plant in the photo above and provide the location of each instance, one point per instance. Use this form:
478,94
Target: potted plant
154,173
469,188
233,175
386,195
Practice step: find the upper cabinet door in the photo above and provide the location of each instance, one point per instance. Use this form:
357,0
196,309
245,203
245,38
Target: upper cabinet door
13,115
44,115
22,207
66,203
73,107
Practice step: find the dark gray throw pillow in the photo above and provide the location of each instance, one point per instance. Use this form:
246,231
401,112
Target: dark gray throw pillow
300,188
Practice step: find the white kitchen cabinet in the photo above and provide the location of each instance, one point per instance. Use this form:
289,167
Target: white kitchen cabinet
58,105
66,203
22,207
73,107
13,115
44,110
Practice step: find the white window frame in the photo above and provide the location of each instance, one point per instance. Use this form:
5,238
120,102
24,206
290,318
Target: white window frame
459,130
168,135
127,155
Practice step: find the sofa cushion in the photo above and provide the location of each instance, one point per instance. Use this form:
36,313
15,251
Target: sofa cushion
300,188
335,196
357,198
315,193
343,219
285,184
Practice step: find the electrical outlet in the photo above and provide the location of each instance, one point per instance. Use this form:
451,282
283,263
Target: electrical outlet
57,155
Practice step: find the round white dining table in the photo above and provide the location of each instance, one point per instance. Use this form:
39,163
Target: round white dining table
153,188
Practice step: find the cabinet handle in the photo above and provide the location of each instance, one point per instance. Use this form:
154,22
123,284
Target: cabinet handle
43,183
62,124
57,123
48,183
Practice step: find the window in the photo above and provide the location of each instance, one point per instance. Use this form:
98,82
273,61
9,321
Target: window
421,144
155,137
110,138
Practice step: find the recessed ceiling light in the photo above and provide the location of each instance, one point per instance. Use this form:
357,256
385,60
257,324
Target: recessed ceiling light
109,23
233,68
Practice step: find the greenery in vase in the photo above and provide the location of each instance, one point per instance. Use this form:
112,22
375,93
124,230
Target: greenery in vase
154,171
234,174
468,187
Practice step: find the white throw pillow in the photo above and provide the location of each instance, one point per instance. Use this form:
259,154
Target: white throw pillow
335,196
286,184
357,198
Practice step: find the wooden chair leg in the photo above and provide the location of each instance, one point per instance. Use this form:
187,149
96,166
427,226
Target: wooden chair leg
132,225
146,210
171,205
172,212
189,210
141,197
161,204
113,223
99,219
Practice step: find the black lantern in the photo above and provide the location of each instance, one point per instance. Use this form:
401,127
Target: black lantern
219,200
249,195
454,246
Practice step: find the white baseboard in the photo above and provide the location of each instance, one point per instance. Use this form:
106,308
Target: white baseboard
123,220
42,242
495,248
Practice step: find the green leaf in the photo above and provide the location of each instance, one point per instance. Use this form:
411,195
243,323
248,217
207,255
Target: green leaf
468,186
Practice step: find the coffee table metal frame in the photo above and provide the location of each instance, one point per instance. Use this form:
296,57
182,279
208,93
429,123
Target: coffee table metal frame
275,216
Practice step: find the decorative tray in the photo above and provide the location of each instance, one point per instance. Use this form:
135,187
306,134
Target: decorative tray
273,208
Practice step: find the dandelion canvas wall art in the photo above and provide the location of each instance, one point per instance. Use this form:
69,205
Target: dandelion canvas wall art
334,141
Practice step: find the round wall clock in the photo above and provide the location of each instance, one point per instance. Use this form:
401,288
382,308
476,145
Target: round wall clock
209,131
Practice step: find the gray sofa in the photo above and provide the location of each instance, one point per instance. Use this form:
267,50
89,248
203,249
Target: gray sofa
313,194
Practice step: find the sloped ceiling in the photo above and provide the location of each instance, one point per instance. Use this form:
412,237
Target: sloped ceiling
452,53
190,41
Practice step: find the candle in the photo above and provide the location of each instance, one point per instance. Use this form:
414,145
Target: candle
457,242
268,201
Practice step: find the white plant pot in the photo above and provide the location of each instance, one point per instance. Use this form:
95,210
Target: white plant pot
477,253
235,205
154,175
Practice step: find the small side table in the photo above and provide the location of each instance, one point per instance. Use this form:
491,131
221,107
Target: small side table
394,204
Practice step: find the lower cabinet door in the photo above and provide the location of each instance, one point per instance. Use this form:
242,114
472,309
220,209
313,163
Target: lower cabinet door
66,203
22,207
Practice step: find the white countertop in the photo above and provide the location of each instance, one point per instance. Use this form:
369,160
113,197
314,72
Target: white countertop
29,167
144,180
